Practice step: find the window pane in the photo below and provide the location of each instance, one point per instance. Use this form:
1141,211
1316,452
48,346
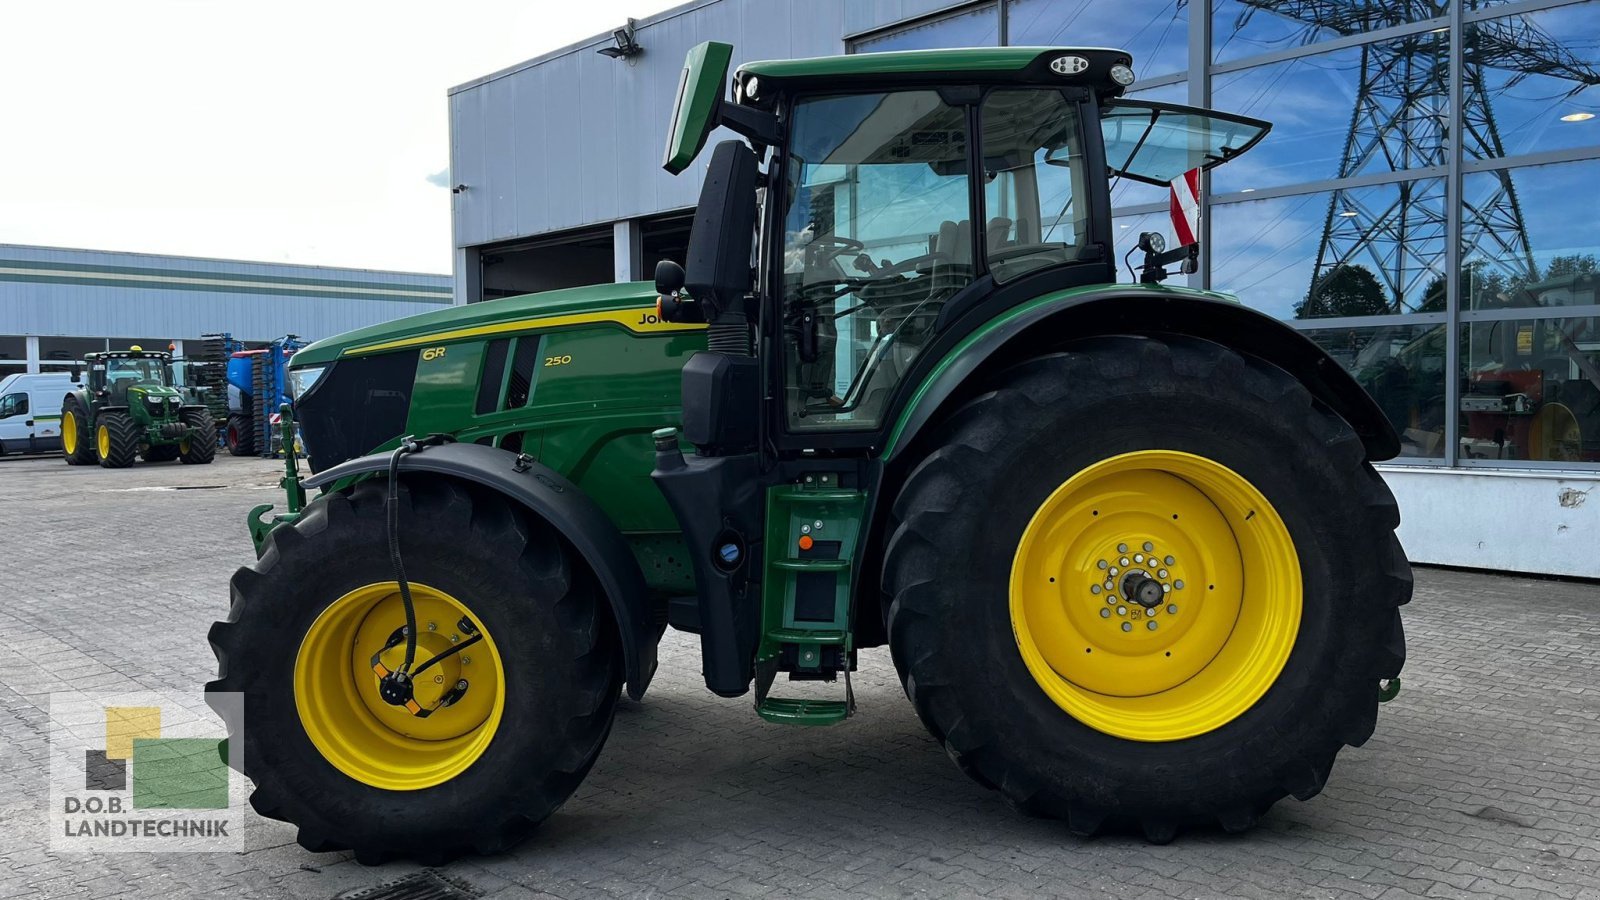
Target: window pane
1531,389
1402,367
1312,102
1527,237
1354,252
978,27
1034,190
1158,143
1126,191
1155,32
1241,28
1534,70
878,234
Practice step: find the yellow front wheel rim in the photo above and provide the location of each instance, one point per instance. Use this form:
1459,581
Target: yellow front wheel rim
386,746
69,433
102,440
1156,595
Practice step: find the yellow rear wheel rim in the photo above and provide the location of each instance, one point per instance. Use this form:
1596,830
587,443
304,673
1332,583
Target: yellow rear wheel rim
1117,536
384,746
102,440
69,433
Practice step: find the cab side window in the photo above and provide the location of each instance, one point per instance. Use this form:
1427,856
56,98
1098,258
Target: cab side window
13,405
1034,186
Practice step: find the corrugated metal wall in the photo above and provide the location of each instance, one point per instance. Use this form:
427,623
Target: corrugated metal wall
60,292
575,138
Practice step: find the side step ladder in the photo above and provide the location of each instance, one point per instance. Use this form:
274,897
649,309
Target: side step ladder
811,536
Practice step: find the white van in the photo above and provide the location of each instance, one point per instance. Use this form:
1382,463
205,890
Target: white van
30,411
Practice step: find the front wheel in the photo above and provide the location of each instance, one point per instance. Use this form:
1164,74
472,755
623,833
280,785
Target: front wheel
116,440
1146,584
509,724
199,446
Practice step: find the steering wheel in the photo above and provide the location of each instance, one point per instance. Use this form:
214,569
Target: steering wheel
828,247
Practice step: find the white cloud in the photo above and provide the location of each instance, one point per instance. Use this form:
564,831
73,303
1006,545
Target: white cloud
294,131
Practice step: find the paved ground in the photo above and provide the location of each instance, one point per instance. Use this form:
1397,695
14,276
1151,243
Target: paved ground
1481,781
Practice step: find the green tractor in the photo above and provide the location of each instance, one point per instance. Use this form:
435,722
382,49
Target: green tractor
131,407
1124,542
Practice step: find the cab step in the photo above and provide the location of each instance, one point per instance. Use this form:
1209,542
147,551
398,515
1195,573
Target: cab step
812,528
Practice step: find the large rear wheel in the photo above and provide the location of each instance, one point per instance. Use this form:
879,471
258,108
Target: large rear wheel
1178,603
488,741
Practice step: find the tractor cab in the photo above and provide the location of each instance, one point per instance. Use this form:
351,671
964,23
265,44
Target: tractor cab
129,376
880,210
889,200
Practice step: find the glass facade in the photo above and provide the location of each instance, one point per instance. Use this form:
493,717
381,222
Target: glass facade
1411,140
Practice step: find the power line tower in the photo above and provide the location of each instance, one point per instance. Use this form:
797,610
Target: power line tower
1401,121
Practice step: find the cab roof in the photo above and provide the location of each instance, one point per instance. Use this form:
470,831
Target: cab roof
1020,64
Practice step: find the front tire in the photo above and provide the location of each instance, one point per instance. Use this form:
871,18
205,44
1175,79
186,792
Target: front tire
200,445
116,440
1077,708
328,755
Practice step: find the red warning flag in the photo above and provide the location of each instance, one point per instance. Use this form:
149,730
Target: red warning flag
1186,207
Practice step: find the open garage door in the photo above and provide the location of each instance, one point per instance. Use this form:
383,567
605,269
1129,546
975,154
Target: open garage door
566,260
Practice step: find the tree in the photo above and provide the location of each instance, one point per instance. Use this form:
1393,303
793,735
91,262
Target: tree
1576,264
1345,290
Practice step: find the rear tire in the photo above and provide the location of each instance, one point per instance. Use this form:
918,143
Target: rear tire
556,647
200,447
241,438
116,440
77,438
966,508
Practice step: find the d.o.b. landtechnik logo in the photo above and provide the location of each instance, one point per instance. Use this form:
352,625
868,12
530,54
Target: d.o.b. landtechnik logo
144,772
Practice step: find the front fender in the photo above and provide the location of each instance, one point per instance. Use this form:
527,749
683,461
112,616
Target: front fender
1053,319
551,497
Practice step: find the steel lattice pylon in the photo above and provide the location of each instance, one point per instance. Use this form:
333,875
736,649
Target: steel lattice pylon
1401,121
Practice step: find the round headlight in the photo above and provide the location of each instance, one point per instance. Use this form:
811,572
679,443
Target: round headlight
1122,75
751,86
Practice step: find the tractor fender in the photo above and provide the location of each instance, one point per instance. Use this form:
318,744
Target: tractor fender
551,497
1052,319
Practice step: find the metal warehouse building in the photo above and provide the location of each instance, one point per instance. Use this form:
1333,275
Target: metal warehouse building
57,304
1455,278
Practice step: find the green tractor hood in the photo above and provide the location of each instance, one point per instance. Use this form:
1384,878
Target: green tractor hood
629,305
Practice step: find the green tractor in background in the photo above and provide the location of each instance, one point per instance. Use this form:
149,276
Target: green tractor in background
131,407
1124,541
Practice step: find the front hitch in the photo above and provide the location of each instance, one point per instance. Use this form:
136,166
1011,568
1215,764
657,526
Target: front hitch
290,482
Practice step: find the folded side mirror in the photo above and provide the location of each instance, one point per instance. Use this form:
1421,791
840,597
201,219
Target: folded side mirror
669,277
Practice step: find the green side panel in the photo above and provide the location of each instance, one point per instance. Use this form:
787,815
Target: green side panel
974,60
694,114
793,514
892,445
595,392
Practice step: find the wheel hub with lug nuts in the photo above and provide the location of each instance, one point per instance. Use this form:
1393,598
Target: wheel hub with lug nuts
1155,595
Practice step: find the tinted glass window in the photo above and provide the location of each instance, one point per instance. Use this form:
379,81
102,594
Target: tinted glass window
877,236
1035,198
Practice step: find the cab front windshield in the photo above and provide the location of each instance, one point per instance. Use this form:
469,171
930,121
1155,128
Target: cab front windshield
879,233
146,370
